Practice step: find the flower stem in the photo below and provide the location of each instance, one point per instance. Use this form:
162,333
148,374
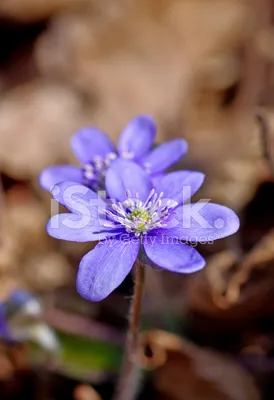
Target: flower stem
128,380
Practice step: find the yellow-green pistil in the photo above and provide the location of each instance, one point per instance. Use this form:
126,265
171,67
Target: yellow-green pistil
141,218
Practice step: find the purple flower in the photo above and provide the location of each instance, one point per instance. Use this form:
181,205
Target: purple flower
10,309
21,319
21,301
95,151
141,219
4,329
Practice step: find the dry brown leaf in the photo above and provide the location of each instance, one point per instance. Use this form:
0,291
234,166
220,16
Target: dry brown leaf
26,224
28,257
9,282
268,115
33,10
20,356
168,60
188,372
47,271
264,42
84,392
231,290
36,122
6,367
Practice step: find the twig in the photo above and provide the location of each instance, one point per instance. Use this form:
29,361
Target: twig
2,210
266,141
253,84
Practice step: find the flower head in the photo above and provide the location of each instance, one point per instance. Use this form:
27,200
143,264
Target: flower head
21,319
96,152
139,217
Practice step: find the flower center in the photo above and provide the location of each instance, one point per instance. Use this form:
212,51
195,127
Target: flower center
95,171
140,217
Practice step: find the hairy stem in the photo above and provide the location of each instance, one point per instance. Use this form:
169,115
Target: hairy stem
128,380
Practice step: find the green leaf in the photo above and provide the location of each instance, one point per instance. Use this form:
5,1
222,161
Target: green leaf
83,358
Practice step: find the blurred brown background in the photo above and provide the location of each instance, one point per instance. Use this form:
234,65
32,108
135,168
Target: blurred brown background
204,70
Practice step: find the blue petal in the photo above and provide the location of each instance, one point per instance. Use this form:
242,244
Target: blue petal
90,142
156,179
125,175
164,156
180,185
137,137
79,228
59,173
104,268
20,297
173,255
203,222
79,199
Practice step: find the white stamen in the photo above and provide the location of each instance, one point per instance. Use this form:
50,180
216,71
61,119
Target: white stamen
94,172
140,217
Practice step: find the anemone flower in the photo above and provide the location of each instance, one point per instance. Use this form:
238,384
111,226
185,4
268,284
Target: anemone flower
139,221
95,151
